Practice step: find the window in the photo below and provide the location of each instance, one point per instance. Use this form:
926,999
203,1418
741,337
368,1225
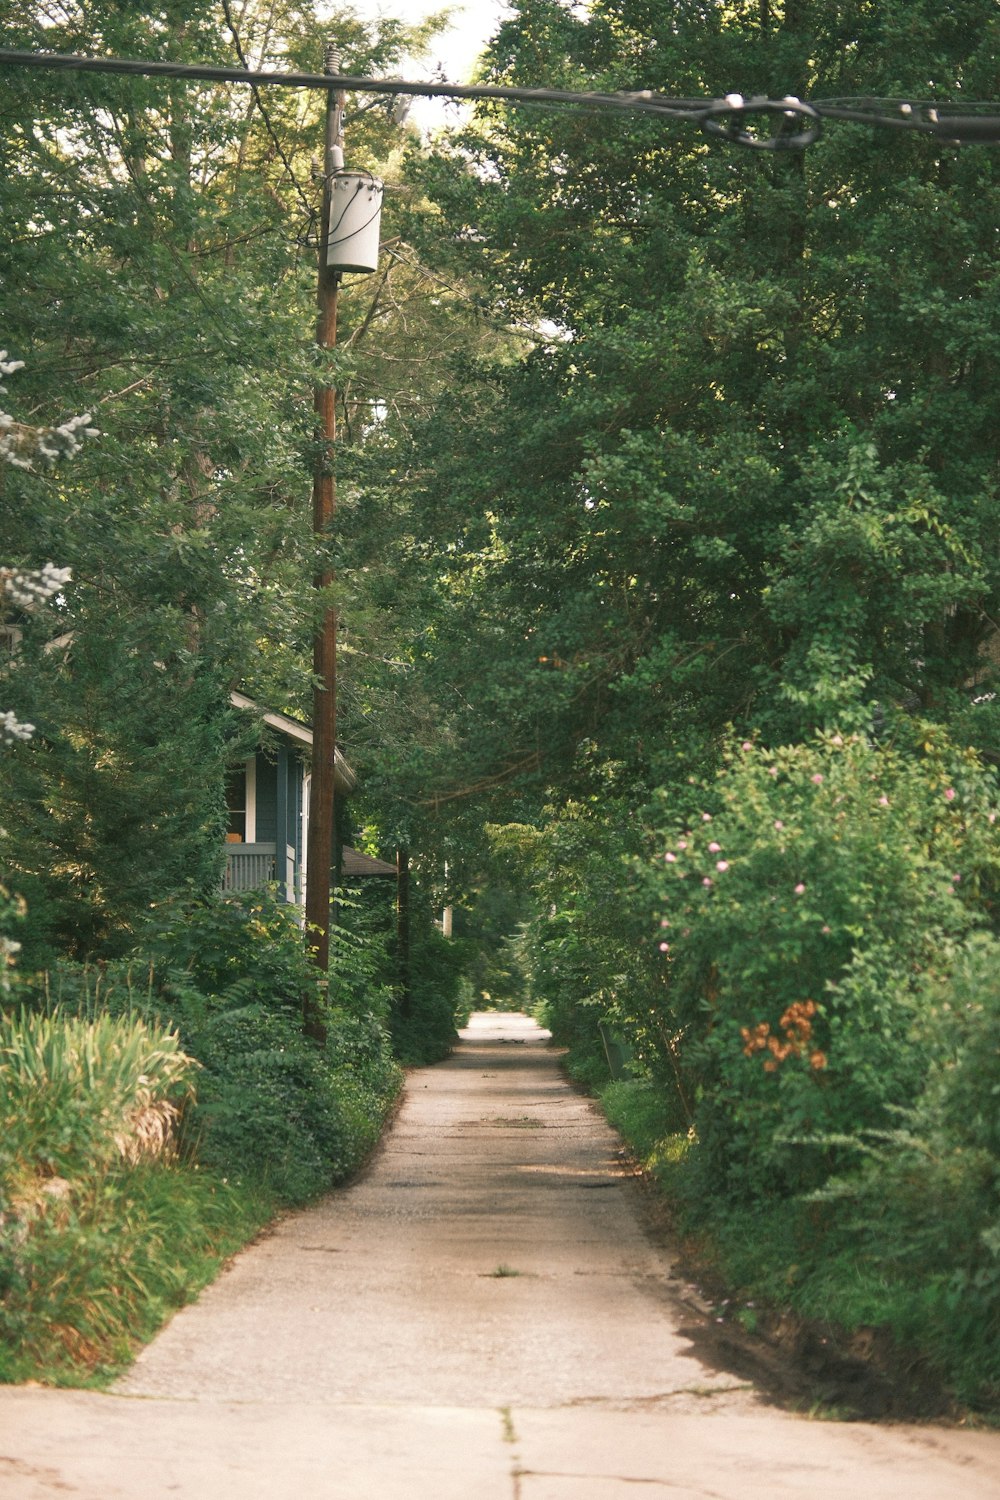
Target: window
236,802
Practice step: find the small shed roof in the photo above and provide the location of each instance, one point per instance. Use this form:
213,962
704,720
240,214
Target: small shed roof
355,864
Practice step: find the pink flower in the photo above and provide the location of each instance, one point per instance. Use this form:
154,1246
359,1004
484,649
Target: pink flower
682,843
706,817
779,825
949,795
664,922
825,930
818,779
955,879
714,848
707,881
883,802
747,745
799,889
670,859
722,864
772,770
837,740
664,947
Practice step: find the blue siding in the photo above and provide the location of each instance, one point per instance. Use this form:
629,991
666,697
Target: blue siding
267,800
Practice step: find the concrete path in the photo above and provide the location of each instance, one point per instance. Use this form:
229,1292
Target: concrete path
481,1317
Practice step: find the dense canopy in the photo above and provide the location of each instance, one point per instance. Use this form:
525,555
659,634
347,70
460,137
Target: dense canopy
666,546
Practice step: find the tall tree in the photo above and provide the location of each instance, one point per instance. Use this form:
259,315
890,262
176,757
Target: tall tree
159,267
747,471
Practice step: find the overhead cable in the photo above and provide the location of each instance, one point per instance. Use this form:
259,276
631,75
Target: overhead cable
789,123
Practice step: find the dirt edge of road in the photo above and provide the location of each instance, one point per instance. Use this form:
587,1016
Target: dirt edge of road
802,1365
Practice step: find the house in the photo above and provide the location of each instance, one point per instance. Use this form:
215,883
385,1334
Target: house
268,802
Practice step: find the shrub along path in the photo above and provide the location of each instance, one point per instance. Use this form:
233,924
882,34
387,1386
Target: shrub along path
482,1314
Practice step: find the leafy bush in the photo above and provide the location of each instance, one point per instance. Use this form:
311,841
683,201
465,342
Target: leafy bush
802,903
583,953
922,1208
275,1107
272,1106
103,1226
424,1021
227,952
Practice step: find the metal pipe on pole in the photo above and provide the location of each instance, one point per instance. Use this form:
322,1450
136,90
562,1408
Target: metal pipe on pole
321,808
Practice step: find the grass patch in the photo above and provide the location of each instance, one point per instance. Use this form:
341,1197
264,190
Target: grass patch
90,1270
120,1199
857,1276
646,1120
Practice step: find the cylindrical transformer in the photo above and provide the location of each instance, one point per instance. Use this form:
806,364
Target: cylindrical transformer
355,212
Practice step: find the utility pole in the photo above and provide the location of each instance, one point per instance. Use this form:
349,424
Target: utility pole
403,929
321,819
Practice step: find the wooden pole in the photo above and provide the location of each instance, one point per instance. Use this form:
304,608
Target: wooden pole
403,930
321,824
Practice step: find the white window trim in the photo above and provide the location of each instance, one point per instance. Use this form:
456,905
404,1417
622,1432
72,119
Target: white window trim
251,798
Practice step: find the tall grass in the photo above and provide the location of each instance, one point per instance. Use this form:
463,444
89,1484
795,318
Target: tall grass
120,1191
102,1233
76,1092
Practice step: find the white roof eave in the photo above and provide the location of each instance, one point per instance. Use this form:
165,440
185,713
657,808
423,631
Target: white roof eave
301,734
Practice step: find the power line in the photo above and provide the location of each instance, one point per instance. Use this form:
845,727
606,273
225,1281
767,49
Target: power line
794,123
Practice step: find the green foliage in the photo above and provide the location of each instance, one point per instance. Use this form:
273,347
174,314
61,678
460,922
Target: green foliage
120,1191
641,1112
425,1016
273,1107
740,470
12,914
79,1092
798,921
90,1268
923,1203
276,1109
589,971
226,952
101,1232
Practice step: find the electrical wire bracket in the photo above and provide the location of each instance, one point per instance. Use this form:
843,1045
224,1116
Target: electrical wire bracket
799,124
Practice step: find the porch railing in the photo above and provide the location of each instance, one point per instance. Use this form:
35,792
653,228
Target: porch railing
249,866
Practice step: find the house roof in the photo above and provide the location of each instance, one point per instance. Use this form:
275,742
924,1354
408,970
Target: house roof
345,780
355,864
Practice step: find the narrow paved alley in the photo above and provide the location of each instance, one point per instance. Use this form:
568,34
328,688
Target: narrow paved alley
481,1317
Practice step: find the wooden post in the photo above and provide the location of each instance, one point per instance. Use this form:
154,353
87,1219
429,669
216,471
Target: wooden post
403,928
325,643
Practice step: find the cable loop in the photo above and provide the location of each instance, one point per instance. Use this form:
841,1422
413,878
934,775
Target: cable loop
726,118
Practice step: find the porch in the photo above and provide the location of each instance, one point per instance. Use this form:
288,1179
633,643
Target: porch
249,867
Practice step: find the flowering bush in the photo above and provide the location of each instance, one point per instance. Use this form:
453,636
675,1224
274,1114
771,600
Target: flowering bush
800,907
24,446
